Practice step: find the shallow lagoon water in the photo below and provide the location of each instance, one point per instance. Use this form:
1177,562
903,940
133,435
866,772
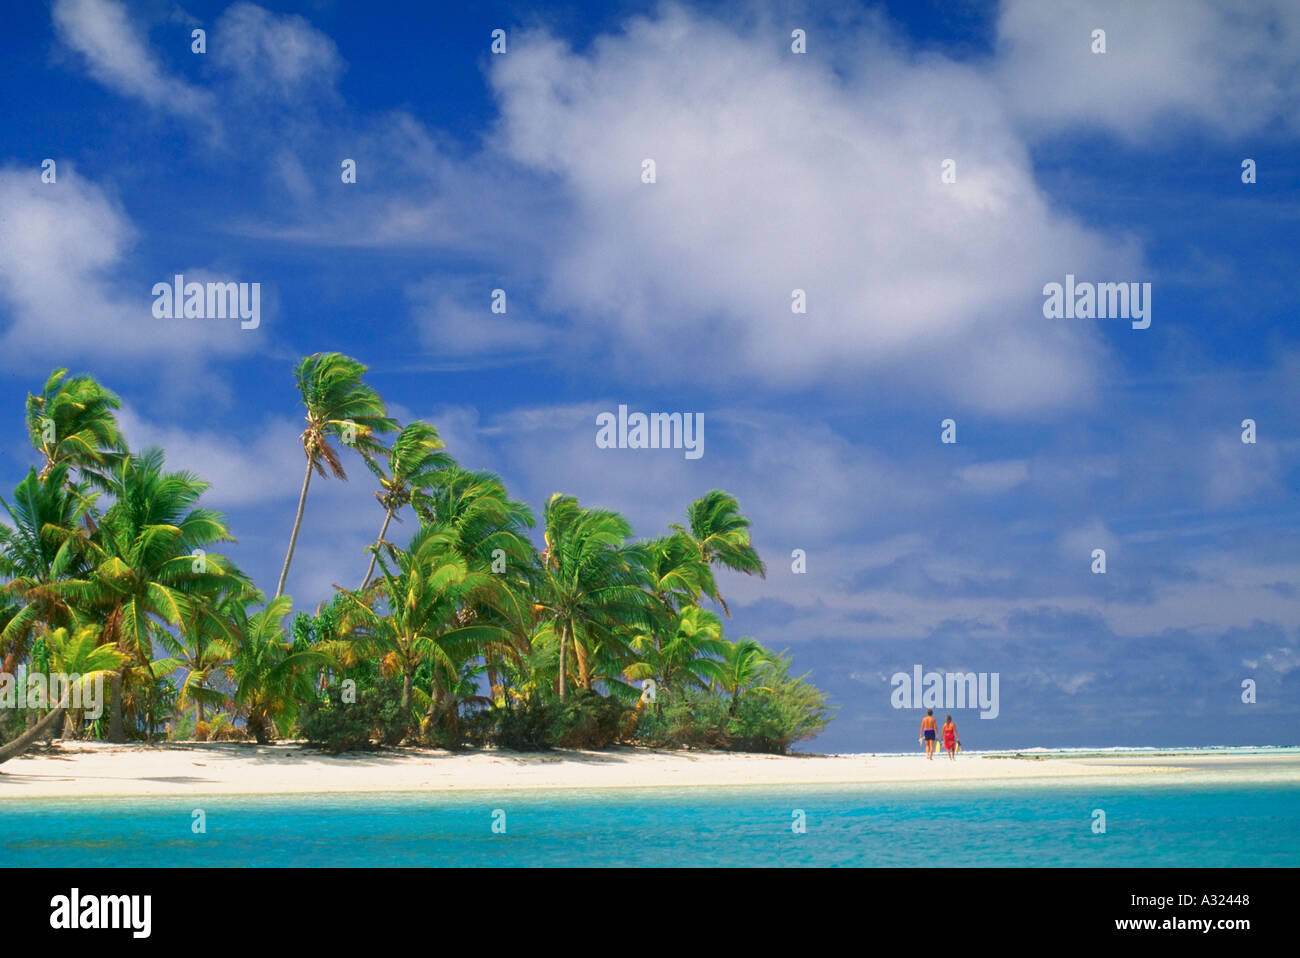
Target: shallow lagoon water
914,824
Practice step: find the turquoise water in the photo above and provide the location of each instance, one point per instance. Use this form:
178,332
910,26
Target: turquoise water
901,825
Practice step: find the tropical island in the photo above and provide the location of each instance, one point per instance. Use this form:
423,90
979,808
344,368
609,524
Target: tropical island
468,635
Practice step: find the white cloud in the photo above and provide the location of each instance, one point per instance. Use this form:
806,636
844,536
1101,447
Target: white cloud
263,465
459,321
117,55
775,174
62,250
995,477
269,55
1226,65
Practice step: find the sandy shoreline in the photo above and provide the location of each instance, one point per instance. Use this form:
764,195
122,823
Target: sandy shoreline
85,770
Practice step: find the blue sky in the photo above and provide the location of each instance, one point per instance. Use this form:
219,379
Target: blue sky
775,171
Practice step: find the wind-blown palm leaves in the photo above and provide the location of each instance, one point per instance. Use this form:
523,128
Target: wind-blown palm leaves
47,542
469,596
77,654
690,655
206,643
742,662
339,405
490,532
271,678
721,534
409,617
414,464
71,423
592,586
148,561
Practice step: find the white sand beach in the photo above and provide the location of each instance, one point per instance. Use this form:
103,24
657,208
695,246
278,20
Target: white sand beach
86,770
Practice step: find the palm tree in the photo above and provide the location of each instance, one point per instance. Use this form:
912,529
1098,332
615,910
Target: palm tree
721,534
489,531
46,543
338,404
271,679
149,561
78,654
414,463
206,642
410,616
690,654
592,584
742,662
71,423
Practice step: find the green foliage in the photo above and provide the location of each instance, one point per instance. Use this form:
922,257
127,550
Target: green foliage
522,727
690,719
775,712
588,720
781,711
375,718
584,719
466,635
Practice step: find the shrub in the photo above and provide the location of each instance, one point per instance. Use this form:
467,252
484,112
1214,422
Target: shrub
523,727
689,719
339,726
588,720
777,711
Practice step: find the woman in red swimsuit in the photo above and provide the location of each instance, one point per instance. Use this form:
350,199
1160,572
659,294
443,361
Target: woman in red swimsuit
950,738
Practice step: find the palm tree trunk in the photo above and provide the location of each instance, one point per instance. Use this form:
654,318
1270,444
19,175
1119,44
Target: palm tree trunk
584,672
115,732
41,729
564,634
297,524
388,516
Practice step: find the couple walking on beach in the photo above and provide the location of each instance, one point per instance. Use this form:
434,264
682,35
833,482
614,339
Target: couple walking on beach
929,737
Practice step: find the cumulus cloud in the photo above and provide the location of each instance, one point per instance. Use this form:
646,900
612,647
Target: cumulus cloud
774,174
261,465
63,247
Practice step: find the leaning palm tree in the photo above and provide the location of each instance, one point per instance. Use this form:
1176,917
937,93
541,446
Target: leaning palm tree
592,585
78,654
338,405
721,534
71,423
414,463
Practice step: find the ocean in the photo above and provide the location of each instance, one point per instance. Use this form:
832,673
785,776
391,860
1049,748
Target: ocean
1045,823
